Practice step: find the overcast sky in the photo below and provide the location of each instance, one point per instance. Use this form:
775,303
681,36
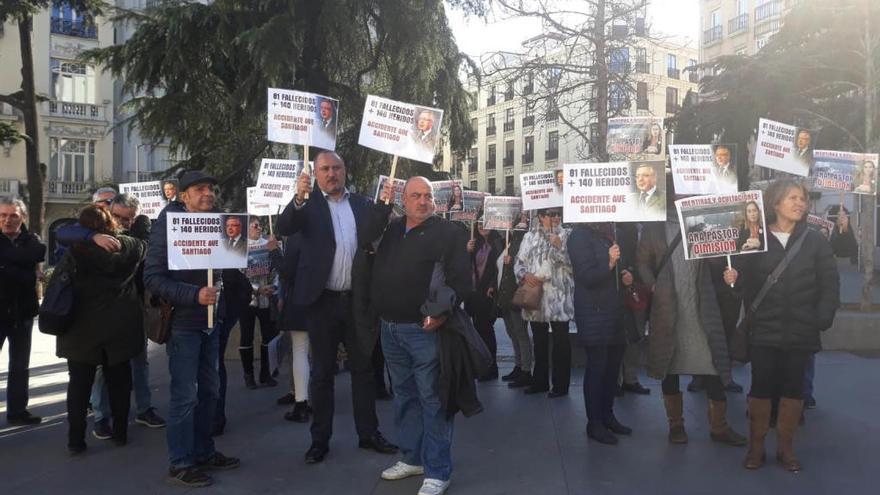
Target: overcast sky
678,18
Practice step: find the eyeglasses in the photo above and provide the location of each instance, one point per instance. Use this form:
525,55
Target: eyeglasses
552,214
105,201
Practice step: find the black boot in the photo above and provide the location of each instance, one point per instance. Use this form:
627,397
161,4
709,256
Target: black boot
265,375
513,375
524,380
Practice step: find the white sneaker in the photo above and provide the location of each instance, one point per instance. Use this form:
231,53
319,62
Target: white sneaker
402,470
433,487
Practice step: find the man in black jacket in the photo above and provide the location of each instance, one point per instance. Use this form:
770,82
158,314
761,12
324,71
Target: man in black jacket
193,347
332,223
20,252
405,260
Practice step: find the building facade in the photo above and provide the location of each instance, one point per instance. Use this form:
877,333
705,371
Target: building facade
739,27
512,139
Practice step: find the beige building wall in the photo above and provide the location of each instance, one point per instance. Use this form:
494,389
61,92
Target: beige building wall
74,124
532,136
742,27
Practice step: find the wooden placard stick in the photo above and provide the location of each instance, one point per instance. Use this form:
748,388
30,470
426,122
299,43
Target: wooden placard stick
391,177
306,168
210,306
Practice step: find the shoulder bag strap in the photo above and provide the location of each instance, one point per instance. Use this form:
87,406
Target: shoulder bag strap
777,272
668,254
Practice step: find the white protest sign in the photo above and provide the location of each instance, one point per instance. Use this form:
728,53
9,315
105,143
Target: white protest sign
198,241
501,212
297,117
541,189
722,225
784,147
614,192
258,209
704,168
845,171
400,129
149,194
398,193
636,138
276,182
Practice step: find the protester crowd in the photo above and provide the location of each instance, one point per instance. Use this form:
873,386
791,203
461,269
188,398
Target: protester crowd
418,295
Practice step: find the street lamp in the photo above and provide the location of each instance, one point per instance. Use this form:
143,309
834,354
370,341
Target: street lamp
137,156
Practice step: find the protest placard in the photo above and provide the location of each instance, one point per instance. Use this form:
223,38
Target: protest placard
784,147
447,196
169,189
398,193
636,138
845,171
541,189
703,168
473,205
820,225
199,241
150,195
297,117
501,212
722,224
259,264
276,182
257,209
614,192
400,129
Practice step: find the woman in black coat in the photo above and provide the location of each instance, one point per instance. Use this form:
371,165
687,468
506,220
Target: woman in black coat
484,250
785,329
598,312
107,326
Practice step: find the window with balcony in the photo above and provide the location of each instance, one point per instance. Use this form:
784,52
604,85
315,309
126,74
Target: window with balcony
529,84
768,10
672,66
472,160
490,99
492,186
642,96
72,81
508,93
618,99
508,185
508,120
529,117
740,22
714,31
490,161
474,185
552,152
508,153
619,60
642,65
70,22
71,160
671,100
490,125
552,113
528,149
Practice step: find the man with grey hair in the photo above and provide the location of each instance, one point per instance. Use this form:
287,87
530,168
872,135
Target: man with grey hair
20,253
104,195
124,209
425,273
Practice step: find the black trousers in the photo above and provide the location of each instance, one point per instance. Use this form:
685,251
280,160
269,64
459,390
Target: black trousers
330,321
79,388
600,380
483,313
247,324
561,373
378,362
714,387
778,372
18,333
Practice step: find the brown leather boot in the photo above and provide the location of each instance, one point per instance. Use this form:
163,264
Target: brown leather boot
789,416
674,411
759,425
719,430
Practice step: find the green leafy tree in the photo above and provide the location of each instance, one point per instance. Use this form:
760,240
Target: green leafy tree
21,13
199,74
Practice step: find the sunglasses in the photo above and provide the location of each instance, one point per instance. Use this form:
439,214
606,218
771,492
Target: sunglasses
105,201
552,214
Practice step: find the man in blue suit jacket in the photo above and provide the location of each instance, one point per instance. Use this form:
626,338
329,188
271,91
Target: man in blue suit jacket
332,223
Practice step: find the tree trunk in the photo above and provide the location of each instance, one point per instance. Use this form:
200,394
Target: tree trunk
36,175
869,205
601,84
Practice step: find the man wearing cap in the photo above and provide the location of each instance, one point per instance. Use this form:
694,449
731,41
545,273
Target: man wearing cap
193,348
332,223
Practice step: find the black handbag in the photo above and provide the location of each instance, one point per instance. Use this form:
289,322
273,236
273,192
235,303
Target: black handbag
56,310
739,341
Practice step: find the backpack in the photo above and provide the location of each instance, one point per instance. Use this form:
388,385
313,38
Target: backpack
56,310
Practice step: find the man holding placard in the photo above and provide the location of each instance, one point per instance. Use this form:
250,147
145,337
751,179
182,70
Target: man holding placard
333,223
193,345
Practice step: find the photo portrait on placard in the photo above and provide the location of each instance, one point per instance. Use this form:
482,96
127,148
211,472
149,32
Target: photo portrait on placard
722,224
234,237
653,142
326,118
169,189
866,177
426,132
649,191
784,147
724,169
751,229
803,147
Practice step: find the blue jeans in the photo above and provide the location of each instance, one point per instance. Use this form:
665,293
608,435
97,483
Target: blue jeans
195,389
424,433
140,380
223,329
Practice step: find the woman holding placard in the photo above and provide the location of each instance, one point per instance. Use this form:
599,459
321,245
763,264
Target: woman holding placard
798,280
751,234
107,328
484,250
543,262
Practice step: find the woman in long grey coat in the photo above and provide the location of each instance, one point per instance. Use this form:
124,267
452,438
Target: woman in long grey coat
686,333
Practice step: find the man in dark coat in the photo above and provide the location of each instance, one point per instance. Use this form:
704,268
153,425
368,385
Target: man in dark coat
193,347
20,253
333,222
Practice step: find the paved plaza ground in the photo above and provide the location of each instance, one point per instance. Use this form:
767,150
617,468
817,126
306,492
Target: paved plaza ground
519,445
